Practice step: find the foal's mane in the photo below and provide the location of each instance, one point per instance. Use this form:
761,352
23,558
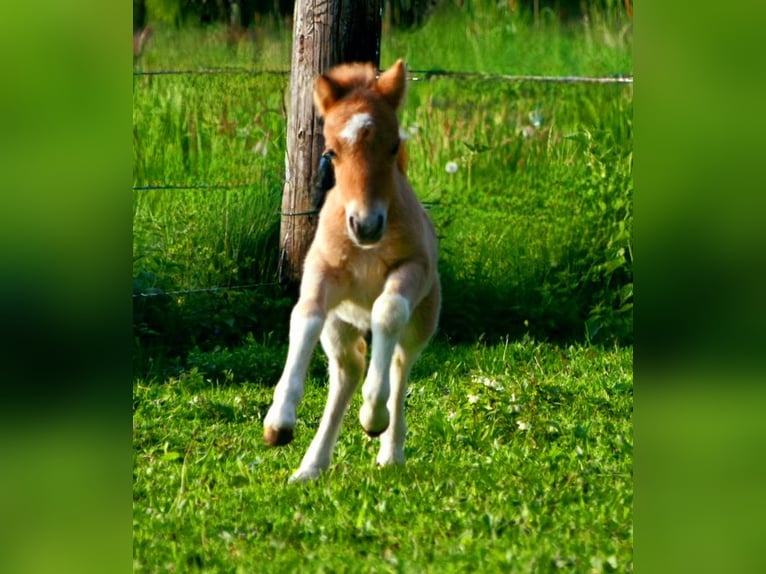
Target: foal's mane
347,79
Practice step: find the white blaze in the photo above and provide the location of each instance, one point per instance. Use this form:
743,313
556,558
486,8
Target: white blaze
357,123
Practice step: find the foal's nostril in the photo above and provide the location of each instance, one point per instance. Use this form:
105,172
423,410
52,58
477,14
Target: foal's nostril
353,224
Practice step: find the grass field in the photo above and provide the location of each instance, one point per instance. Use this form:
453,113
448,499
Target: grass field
520,436
519,460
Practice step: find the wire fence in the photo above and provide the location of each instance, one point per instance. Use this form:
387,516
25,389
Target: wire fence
180,292
176,187
414,76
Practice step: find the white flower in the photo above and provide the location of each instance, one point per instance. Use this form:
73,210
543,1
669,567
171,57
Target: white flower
414,129
473,399
451,167
487,382
522,425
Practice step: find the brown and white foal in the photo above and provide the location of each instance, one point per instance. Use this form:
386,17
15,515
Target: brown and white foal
371,267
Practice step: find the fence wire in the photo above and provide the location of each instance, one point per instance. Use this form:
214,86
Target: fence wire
160,293
192,186
414,76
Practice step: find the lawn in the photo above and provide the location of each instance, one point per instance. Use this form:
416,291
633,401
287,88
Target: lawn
519,460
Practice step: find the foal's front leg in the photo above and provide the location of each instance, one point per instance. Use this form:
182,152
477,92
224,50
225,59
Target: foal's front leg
390,313
306,324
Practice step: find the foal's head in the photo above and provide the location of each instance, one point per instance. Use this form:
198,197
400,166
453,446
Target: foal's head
361,133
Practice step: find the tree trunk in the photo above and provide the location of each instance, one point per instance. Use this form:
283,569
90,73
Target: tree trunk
325,33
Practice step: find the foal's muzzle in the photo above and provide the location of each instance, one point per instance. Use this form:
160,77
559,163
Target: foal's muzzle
367,231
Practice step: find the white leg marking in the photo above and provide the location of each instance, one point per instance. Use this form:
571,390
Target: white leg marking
390,313
304,333
319,454
345,350
392,441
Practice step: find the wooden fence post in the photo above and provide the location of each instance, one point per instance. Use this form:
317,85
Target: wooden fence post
325,33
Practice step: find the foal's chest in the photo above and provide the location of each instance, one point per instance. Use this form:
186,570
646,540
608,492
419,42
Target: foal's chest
367,273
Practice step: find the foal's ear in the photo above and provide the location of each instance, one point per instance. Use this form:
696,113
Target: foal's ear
392,84
326,93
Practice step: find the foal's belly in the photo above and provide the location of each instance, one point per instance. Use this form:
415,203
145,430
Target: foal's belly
355,314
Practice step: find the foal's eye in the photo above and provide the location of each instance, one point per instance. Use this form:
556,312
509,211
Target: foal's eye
395,149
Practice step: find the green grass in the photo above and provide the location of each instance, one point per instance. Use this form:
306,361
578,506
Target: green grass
519,460
488,37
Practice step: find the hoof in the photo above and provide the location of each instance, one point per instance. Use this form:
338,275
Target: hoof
375,433
277,437
305,476
386,458
373,425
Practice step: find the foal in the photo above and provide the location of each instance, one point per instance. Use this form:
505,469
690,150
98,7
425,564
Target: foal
371,267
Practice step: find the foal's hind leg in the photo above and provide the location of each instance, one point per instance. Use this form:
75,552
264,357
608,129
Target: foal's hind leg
345,349
392,441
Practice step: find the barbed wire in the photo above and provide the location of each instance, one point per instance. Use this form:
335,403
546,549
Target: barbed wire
212,71
192,186
417,75
414,75
160,293
615,79
177,187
